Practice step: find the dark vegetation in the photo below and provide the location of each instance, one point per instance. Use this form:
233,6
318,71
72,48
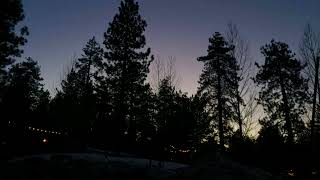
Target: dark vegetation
106,102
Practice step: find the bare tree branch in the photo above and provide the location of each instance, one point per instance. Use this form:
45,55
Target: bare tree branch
164,69
246,104
309,50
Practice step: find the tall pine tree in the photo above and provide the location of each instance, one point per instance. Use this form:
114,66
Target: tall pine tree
127,65
88,69
283,89
11,13
89,65
75,102
10,42
24,93
217,82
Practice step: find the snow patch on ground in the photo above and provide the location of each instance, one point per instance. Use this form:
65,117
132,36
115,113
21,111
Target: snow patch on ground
95,157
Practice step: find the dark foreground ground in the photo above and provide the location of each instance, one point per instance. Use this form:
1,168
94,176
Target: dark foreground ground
95,166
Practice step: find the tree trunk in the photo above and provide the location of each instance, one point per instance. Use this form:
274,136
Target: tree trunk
314,100
88,74
219,94
286,110
239,116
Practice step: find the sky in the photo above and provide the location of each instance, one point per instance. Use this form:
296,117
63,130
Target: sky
59,29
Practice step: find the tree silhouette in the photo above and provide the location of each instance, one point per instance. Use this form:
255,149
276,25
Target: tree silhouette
89,68
310,53
89,65
65,106
127,65
10,42
165,112
11,15
218,82
283,89
24,93
178,125
245,104
202,118
270,143
106,102
146,122
185,122
75,103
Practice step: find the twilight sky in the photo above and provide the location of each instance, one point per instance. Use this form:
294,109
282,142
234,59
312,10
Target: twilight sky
181,28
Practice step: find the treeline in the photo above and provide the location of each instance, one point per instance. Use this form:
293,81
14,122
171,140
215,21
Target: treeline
105,98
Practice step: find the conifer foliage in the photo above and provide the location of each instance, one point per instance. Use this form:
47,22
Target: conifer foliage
127,65
218,82
283,88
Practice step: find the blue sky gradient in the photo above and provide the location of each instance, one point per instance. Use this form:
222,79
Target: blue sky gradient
181,28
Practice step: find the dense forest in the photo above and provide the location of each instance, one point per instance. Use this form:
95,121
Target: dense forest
107,101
